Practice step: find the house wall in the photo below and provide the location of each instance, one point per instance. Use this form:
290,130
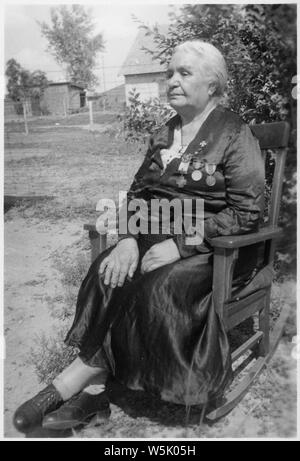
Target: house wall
148,85
14,110
113,99
74,99
55,99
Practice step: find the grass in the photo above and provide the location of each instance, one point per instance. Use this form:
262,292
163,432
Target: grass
78,169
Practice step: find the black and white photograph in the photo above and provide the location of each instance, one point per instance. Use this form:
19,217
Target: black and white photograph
149,222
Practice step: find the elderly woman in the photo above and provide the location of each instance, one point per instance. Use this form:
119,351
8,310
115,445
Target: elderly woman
145,312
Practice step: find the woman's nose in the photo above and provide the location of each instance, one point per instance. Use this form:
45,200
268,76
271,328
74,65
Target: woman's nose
173,81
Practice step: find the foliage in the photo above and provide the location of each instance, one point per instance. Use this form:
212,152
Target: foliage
23,84
259,52
71,41
144,118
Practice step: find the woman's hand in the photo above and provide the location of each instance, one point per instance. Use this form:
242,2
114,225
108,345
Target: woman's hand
120,263
159,255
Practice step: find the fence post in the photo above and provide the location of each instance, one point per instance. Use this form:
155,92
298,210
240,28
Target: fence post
65,107
91,114
25,117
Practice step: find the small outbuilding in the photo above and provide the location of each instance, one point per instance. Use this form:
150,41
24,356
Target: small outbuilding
62,98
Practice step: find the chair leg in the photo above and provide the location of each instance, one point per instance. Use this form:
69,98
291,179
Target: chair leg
264,326
95,244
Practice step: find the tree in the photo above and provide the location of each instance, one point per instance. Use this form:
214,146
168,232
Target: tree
23,84
71,42
259,50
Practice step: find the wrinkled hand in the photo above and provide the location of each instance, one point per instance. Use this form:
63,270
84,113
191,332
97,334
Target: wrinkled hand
120,263
159,255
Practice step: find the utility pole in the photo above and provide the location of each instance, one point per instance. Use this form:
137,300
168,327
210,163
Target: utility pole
103,73
25,117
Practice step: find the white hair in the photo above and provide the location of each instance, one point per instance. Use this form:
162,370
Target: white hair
212,60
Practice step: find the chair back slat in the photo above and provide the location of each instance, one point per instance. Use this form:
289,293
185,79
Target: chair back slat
274,136
277,188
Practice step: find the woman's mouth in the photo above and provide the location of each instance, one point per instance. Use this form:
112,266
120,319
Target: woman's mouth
171,95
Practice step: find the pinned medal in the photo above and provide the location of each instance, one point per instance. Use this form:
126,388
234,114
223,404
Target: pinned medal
210,181
181,181
196,175
184,164
197,164
210,169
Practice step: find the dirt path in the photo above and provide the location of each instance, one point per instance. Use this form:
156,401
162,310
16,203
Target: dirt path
30,279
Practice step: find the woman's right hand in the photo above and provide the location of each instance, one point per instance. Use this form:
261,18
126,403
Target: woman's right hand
120,263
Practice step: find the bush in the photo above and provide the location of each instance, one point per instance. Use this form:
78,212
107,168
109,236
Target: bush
144,118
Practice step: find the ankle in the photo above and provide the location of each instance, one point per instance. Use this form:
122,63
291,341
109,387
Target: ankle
63,389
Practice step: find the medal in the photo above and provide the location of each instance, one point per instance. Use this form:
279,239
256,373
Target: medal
197,164
181,181
184,164
210,181
196,175
210,168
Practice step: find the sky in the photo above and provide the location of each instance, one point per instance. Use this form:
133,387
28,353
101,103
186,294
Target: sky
24,42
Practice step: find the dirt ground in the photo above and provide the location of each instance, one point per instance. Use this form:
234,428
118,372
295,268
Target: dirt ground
34,235
31,281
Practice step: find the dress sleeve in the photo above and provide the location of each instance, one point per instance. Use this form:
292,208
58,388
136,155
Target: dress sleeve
244,187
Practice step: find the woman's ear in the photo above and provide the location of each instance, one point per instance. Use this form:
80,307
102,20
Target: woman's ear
212,89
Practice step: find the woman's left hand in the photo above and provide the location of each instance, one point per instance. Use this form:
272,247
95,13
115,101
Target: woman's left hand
159,255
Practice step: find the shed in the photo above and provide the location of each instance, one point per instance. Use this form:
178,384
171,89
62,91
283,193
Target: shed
62,98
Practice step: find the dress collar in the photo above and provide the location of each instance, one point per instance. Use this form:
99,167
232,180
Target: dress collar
164,138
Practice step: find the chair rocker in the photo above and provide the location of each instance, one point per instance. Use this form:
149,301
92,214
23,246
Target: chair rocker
232,309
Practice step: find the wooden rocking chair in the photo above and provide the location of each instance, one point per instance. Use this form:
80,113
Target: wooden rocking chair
233,310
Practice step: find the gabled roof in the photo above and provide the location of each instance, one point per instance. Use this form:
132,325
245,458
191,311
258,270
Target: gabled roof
139,61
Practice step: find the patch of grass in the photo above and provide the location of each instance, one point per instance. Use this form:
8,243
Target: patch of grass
50,355
72,269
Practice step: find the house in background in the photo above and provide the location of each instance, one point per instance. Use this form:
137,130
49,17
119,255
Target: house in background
60,98
142,72
113,99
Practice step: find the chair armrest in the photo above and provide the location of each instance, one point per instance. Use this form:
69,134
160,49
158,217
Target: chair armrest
238,241
98,241
90,227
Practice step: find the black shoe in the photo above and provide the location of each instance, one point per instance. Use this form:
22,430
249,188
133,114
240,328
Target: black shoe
83,408
31,413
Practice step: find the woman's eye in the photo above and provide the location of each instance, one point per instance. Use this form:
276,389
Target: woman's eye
184,73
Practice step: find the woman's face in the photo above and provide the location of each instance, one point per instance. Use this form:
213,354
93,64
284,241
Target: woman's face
187,84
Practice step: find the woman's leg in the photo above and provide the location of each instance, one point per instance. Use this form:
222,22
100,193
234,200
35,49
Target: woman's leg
77,376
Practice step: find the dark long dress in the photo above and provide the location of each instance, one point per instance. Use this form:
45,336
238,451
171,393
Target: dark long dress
160,331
